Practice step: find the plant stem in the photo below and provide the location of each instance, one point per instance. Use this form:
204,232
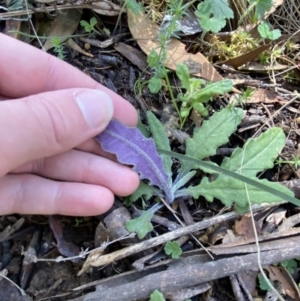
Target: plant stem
173,98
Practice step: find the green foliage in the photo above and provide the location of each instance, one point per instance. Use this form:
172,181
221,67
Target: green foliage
141,225
290,265
143,129
261,7
256,155
198,91
212,134
161,140
155,84
134,6
266,32
173,248
294,161
144,190
263,285
157,296
89,26
58,48
229,190
212,14
226,184
156,61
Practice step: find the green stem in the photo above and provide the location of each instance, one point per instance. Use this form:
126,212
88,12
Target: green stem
173,98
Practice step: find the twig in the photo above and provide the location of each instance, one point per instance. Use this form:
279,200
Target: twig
95,260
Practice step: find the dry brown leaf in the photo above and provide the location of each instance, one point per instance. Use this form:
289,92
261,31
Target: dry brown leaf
283,276
135,56
145,32
63,26
264,96
247,57
244,227
257,67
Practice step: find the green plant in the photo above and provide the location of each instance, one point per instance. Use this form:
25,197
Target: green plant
257,10
246,94
198,92
58,48
173,248
290,265
266,32
294,161
263,285
157,296
212,15
89,26
134,6
225,183
156,60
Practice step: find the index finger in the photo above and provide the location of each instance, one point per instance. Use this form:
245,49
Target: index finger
26,70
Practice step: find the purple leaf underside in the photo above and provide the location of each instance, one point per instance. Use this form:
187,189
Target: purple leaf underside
132,148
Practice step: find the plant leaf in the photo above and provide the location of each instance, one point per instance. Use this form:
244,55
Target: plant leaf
212,134
161,140
212,24
144,190
183,181
132,148
262,7
211,89
141,225
266,32
154,85
257,154
258,184
183,74
230,190
263,285
221,8
157,296
173,248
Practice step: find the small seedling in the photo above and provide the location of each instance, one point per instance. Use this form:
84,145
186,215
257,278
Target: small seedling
242,98
58,48
157,296
198,92
212,15
265,31
156,60
290,265
89,27
295,161
173,248
263,285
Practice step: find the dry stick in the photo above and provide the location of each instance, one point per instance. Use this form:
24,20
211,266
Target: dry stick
21,12
193,274
95,259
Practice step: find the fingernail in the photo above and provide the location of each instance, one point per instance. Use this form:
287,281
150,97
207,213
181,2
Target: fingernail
96,107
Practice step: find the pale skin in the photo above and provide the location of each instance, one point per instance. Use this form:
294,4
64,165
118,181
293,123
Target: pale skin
49,161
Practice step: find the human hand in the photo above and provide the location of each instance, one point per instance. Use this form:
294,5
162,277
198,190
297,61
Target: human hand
49,163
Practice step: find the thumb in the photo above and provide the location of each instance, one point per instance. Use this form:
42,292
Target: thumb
49,123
